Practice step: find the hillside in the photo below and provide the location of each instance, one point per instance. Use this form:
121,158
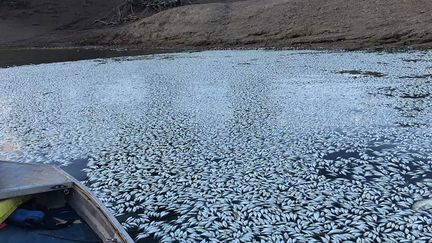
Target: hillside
351,24
24,22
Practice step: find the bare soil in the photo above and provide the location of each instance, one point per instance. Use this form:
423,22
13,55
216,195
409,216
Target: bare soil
41,22
332,24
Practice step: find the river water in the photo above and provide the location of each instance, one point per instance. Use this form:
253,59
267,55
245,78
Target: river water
236,145
25,56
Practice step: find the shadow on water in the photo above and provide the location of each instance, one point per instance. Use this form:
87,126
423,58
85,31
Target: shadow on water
17,57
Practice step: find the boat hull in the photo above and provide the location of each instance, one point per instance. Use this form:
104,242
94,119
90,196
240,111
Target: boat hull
22,179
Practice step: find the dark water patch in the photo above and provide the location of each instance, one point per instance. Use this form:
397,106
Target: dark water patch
373,178
319,236
363,73
416,174
409,92
101,62
383,63
409,124
167,58
172,215
407,109
134,232
216,159
423,76
17,57
75,169
149,239
412,179
386,91
415,60
47,93
414,95
124,217
152,238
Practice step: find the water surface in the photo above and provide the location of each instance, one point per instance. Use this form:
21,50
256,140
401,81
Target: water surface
24,56
237,145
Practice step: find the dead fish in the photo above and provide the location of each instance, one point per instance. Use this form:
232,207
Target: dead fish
423,204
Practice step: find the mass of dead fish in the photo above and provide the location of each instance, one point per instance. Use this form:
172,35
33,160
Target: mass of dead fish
238,146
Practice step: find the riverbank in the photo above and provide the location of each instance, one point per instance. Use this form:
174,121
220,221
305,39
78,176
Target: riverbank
335,24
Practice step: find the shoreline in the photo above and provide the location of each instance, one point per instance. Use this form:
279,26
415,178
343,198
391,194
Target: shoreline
25,55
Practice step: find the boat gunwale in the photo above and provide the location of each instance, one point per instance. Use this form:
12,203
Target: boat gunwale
74,187
30,189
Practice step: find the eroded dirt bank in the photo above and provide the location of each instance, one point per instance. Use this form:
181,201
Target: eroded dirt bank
335,24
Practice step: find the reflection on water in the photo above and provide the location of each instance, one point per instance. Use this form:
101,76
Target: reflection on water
16,57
